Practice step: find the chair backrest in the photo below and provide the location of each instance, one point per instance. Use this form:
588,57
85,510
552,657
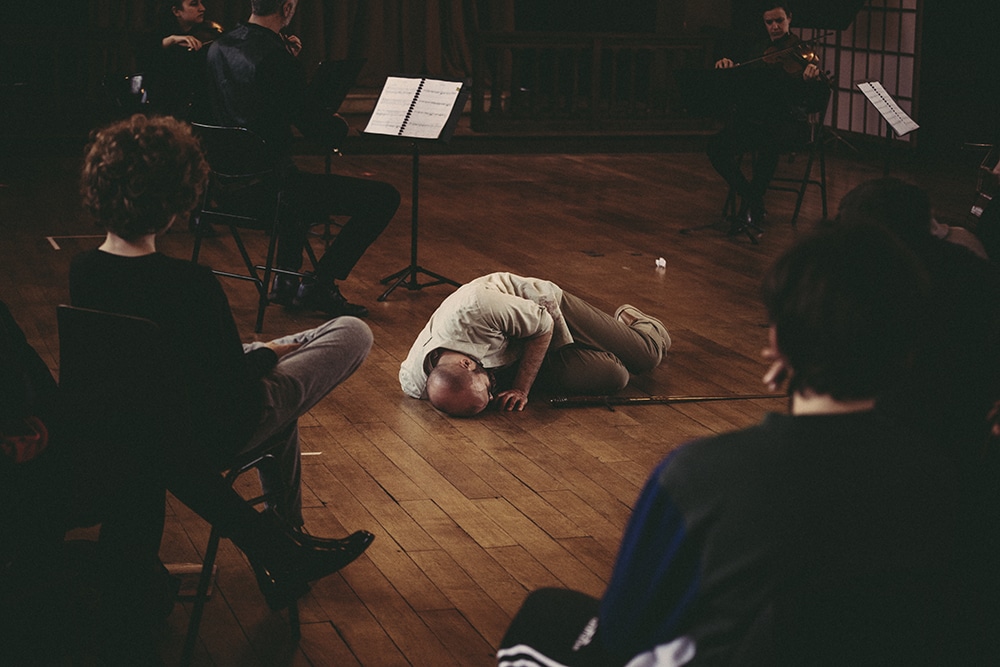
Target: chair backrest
816,107
245,184
234,152
332,81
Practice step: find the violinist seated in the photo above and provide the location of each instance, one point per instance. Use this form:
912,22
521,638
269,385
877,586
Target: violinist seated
256,81
771,96
172,58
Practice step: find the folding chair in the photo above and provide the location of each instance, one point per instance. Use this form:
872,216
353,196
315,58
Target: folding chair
244,191
814,149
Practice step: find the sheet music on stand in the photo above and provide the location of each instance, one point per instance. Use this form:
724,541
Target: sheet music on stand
897,119
418,108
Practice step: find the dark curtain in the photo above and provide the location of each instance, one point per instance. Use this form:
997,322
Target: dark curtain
431,37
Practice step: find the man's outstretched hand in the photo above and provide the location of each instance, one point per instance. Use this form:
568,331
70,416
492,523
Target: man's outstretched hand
511,400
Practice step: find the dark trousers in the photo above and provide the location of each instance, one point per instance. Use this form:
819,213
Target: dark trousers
764,141
312,198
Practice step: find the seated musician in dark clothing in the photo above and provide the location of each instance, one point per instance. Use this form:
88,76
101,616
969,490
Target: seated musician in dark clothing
770,96
256,81
172,58
140,175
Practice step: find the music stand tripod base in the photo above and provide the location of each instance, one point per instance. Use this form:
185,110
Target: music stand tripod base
408,276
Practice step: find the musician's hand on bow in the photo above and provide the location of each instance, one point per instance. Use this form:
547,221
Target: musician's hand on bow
724,63
187,41
811,72
292,44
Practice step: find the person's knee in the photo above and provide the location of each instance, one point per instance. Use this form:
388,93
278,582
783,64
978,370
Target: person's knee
357,333
594,379
387,198
351,337
645,364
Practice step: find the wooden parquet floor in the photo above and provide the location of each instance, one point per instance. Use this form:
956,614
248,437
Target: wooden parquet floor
469,514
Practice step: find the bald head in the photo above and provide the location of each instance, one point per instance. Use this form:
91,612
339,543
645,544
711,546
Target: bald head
458,386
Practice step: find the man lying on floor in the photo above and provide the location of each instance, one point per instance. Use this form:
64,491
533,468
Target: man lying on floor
490,340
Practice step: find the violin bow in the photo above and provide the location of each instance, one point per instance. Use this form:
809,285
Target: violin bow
787,49
609,401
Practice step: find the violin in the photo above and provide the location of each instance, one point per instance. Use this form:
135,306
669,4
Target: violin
206,32
793,58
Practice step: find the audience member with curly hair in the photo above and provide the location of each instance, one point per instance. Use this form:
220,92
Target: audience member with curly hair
140,176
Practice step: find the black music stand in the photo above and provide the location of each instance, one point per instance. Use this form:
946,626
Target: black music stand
420,109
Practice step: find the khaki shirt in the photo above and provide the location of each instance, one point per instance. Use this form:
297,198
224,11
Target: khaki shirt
487,319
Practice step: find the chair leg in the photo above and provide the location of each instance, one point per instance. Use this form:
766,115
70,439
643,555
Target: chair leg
201,597
262,305
197,249
802,187
822,176
311,254
293,621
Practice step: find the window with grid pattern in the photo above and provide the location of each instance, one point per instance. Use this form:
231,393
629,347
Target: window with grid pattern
882,45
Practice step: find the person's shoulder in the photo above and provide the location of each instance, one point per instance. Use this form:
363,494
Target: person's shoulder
718,455
956,266
186,267
237,32
85,258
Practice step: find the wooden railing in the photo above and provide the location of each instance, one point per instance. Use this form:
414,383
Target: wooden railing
569,81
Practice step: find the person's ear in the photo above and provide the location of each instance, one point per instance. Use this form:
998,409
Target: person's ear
169,224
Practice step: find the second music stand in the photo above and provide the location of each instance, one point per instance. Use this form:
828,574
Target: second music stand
419,109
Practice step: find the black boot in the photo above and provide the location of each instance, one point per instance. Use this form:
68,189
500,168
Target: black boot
284,567
326,298
283,290
304,539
